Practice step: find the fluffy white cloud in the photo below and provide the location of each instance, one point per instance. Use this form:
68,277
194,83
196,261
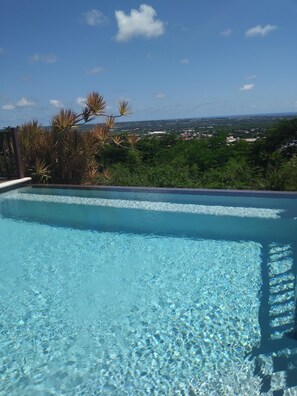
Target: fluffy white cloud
260,30
94,18
25,102
56,103
226,32
8,107
185,61
138,23
95,70
160,95
247,87
49,58
81,101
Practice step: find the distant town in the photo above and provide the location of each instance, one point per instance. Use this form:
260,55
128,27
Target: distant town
248,127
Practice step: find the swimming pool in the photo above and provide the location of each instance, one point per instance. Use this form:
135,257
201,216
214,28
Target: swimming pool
126,292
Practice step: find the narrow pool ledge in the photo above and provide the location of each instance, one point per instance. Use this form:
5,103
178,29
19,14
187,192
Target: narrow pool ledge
11,183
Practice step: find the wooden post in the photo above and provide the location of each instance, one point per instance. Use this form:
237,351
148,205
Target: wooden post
17,153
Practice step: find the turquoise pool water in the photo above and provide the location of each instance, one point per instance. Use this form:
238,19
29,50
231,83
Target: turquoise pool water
130,295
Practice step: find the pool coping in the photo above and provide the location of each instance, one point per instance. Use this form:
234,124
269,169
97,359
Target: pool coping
9,184
173,190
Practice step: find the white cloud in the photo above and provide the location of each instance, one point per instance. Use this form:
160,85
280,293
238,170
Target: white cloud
2,51
48,58
56,103
81,101
247,87
260,30
160,95
8,107
25,102
95,17
185,61
251,76
226,32
138,23
95,70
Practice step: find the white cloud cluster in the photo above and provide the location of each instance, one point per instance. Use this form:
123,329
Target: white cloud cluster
95,70
94,18
141,23
160,95
226,32
185,61
49,58
56,103
23,102
81,101
260,30
246,87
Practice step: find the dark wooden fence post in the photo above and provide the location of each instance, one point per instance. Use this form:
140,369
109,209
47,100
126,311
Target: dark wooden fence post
17,153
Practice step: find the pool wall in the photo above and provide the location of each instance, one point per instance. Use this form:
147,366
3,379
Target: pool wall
161,190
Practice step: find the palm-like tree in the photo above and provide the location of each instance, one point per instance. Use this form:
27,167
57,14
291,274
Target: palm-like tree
65,154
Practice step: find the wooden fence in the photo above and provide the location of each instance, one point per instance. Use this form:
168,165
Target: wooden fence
11,166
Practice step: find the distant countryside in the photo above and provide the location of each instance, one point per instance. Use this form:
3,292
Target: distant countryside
248,152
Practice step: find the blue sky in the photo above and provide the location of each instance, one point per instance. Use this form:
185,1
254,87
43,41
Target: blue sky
169,58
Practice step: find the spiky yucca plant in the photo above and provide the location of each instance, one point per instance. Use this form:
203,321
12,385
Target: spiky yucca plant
96,104
132,139
117,140
41,172
65,154
124,108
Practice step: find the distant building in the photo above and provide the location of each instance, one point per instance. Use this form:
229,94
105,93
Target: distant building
157,133
231,139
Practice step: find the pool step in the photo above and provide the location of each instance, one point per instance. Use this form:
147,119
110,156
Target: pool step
281,290
215,210
149,217
276,363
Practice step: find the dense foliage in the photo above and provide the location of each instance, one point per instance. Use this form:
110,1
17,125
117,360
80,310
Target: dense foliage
166,161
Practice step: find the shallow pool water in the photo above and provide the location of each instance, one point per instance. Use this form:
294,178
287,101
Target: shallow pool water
90,312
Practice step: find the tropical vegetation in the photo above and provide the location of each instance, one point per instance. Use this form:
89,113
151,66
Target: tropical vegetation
66,154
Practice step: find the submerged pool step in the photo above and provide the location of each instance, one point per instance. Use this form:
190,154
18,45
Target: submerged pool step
149,217
215,210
